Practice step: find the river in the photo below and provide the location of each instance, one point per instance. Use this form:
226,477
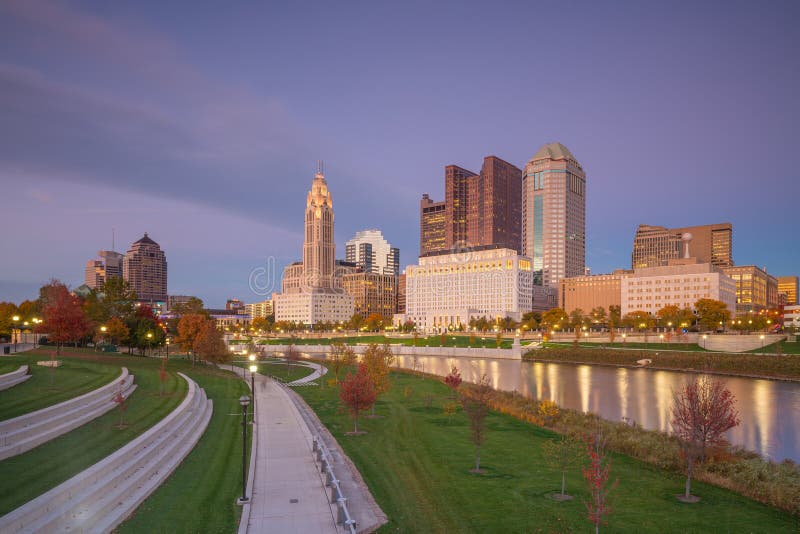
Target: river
769,409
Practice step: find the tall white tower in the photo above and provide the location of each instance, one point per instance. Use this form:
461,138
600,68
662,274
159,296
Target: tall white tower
554,214
319,249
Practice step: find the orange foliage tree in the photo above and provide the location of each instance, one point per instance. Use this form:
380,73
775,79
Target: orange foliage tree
357,393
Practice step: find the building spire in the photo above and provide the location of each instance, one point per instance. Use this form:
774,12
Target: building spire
320,166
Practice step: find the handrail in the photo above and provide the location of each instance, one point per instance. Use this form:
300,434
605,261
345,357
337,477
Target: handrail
324,458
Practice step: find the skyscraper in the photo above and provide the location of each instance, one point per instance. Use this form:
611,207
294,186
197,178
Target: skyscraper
318,247
145,269
108,264
432,233
457,185
369,250
554,214
654,246
788,285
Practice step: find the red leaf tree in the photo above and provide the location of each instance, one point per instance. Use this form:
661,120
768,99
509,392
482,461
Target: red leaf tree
453,380
702,411
596,475
357,393
475,402
64,317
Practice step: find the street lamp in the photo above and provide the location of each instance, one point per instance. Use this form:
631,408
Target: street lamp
149,339
253,369
244,401
704,340
15,319
762,340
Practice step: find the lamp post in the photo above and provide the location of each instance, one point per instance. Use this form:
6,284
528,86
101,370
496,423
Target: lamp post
15,320
253,369
244,401
704,340
149,339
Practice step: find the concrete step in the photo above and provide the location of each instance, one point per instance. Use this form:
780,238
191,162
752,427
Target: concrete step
13,378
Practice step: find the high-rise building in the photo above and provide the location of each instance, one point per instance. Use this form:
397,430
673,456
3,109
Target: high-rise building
432,232
313,296
756,289
554,214
655,246
591,291
144,267
494,206
788,285
372,253
457,185
401,293
108,264
234,305
372,293
259,309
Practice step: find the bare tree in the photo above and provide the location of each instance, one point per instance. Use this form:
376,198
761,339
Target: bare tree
475,402
597,475
702,411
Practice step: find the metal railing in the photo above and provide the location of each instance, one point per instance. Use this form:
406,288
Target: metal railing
337,497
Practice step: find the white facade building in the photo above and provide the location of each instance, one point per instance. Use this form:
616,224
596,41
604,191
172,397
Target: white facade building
259,309
313,306
791,316
448,290
680,284
373,253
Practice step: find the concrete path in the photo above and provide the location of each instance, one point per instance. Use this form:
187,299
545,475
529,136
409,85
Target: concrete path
288,492
319,370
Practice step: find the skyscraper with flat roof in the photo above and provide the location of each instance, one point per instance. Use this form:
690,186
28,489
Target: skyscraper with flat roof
432,233
108,264
369,250
655,246
788,286
554,214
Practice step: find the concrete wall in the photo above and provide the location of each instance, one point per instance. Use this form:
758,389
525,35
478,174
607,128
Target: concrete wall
514,353
737,343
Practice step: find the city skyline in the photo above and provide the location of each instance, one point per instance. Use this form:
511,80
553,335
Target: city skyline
665,141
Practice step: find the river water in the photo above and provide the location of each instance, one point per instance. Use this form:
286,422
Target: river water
769,409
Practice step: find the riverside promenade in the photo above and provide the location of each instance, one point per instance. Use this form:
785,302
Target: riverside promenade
288,493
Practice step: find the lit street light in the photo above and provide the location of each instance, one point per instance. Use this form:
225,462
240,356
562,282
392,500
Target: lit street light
244,401
15,319
253,369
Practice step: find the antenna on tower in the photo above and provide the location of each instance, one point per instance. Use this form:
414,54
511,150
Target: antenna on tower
320,166
112,238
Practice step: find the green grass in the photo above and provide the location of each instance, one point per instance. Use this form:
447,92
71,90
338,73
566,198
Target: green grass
781,347
654,345
487,340
6,367
52,386
200,495
417,464
28,475
280,372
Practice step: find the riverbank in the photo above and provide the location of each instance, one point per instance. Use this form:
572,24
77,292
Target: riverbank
773,367
416,459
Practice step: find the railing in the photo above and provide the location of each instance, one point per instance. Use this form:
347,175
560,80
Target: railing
337,497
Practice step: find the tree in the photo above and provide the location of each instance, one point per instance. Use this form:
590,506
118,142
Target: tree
375,362
674,315
596,475
209,345
453,380
119,399
638,319
189,328
341,356
562,453
261,324
576,321
374,322
145,331
116,331
475,402
114,298
554,318
292,355
357,393
702,411
598,315
192,306
710,313
63,314
355,322
530,321
614,320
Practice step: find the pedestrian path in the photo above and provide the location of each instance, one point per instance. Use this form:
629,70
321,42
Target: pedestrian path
288,492
319,370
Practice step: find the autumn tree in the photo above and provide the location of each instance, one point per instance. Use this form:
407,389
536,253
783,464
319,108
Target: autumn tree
554,318
453,380
596,475
710,313
375,360
341,356
192,306
562,453
116,331
145,331
702,411
63,314
614,321
674,316
638,319
355,321
577,320
189,328
357,393
475,403
261,324
209,344
120,400
374,322
598,315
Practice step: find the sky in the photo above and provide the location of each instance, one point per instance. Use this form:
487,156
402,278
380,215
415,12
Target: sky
201,124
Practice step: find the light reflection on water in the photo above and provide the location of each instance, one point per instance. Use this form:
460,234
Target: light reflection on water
769,410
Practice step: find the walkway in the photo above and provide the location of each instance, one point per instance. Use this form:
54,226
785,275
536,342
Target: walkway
288,493
319,370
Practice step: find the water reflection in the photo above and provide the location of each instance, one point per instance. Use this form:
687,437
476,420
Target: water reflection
769,410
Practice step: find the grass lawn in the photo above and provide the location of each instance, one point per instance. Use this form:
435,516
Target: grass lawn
7,367
200,495
416,463
280,372
654,346
28,475
52,386
781,347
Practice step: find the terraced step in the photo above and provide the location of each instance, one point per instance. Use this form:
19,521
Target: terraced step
13,378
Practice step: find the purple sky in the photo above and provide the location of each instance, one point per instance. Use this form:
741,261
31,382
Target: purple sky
202,123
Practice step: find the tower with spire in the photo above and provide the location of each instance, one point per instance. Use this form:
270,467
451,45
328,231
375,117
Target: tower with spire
319,249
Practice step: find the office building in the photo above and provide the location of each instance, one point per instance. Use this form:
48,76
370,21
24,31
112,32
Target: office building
447,290
788,286
108,264
311,293
592,291
554,214
234,305
401,294
432,234
458,184
144,267
372,293
259,309
756,289
655,246
681,283
372,253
